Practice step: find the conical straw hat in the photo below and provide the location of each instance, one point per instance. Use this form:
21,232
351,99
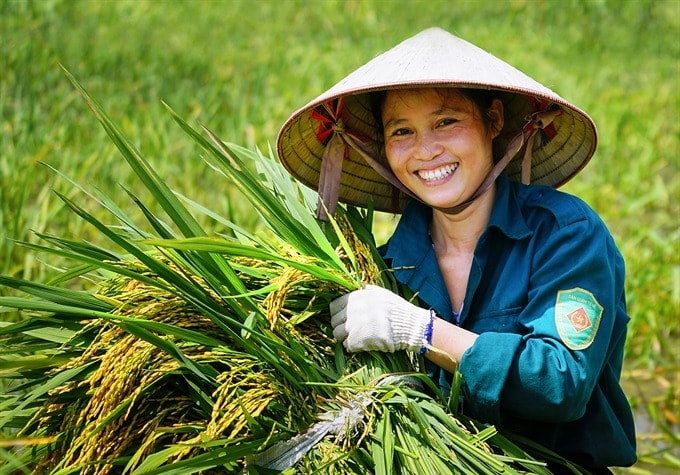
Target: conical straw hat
432,58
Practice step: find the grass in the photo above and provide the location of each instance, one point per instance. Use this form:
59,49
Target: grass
242,67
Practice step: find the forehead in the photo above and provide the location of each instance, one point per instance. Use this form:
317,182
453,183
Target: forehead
425,99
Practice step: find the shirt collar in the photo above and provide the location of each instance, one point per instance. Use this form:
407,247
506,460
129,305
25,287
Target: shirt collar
410,241
506,214
412,259
412,233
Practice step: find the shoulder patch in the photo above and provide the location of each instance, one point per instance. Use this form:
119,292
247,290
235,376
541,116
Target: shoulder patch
577,316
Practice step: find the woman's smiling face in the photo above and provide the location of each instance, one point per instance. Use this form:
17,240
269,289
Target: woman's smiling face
438,144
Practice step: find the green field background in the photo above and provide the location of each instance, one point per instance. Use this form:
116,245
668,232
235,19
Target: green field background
242,67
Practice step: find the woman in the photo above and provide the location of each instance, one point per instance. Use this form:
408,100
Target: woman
519,284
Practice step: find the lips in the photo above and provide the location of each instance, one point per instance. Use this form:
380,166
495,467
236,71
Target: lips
437,173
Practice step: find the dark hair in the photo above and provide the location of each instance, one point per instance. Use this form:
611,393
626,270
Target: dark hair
483,99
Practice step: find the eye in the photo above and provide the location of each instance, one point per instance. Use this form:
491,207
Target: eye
402,131
447,121
399,132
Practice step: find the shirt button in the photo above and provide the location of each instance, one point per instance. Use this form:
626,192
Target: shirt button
538,195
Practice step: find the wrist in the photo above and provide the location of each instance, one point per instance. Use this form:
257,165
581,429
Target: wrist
427,336
412,328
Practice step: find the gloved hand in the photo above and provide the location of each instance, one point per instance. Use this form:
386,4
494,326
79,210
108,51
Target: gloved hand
375,319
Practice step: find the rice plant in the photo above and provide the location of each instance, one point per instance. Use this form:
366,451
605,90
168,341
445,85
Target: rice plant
196,353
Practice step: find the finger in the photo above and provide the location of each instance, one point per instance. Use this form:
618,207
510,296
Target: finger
339,318
339,304
340,333
348,346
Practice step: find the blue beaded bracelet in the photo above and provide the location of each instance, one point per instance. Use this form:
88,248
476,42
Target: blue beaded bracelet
427,337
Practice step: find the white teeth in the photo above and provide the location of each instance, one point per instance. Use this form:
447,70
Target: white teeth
439,173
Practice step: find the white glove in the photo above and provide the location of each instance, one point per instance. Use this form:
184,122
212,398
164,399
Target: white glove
375,319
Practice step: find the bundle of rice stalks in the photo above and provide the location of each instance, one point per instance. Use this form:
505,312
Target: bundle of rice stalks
198,354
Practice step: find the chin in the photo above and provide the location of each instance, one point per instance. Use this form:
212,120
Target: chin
441,203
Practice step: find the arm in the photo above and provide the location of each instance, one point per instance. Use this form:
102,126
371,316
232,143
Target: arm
449,343
572,316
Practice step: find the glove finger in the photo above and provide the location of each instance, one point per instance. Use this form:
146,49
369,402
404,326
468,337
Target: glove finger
340,333
339,304
338,318
349,347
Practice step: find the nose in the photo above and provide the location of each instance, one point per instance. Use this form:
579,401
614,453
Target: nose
427,147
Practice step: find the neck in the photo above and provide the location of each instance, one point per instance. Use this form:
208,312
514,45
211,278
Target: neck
459,233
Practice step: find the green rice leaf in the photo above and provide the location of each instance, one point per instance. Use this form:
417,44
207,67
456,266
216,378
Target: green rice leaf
55,294
41,391
162,193
103,200
231,452
236,249
383,447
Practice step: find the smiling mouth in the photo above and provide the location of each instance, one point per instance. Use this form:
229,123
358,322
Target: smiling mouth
437,174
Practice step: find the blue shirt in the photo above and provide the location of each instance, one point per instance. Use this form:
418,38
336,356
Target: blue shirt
546,295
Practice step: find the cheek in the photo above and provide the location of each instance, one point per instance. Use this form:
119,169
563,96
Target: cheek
395,156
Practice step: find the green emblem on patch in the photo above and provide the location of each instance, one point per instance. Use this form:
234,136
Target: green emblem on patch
577,315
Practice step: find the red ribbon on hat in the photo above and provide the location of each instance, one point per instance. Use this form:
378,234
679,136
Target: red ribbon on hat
539,122
330,118
335,137
328,115
539,107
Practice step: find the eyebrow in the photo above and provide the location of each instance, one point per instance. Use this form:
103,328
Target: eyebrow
445,109
393,123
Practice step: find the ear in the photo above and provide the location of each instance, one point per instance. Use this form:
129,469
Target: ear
495,113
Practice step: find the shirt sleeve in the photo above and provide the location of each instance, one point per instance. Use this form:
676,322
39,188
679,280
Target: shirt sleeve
549,371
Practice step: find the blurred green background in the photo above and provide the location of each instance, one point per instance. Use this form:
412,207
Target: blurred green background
242,66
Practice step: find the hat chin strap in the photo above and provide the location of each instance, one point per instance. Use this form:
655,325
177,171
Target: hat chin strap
336,151
331,170
513,148
538,120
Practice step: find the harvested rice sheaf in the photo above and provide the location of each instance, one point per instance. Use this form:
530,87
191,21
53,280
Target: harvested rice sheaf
139,399
135,397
